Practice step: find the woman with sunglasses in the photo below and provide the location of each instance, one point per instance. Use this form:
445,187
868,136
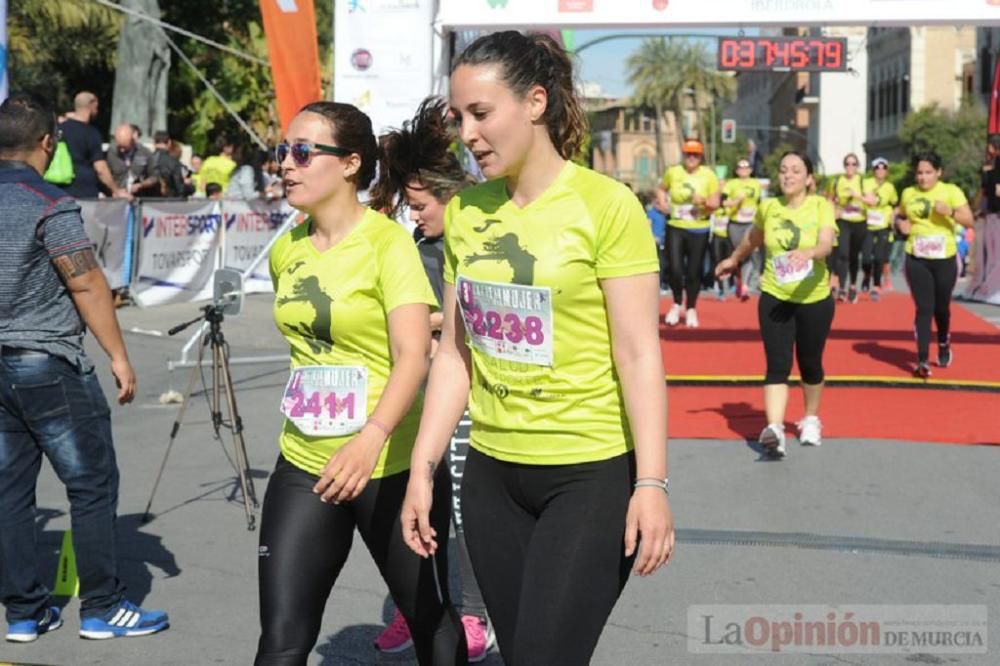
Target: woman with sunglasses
694,193
795,309
740,198
930,211
550,320
880,199
419,170
353,302
852,228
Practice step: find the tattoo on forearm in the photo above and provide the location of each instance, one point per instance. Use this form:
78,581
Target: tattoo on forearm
431,468
75,264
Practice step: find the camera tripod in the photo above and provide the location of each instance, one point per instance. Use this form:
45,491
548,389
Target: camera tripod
222,387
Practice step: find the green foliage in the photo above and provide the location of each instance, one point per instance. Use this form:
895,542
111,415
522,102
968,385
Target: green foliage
957,136
57,48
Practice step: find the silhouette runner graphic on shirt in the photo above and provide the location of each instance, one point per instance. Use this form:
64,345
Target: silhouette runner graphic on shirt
793,238
486,225
317,334
507,248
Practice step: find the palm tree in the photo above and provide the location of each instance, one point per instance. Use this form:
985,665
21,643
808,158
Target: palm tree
654,77
704,82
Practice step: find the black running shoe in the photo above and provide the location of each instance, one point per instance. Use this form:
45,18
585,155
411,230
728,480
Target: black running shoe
852,295
922,370
944,355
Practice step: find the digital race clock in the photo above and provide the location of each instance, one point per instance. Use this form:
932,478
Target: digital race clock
801,54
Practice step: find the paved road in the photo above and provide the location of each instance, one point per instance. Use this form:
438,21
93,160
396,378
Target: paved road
854,522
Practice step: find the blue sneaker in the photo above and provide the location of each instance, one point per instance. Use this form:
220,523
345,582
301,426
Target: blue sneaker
26,631
125,619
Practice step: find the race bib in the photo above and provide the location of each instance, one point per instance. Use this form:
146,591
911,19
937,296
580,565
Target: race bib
929,247
719,224
685,212
508,321
788,269
851,209
327,400
745,214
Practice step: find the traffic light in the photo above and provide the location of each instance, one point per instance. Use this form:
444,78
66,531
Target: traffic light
728,130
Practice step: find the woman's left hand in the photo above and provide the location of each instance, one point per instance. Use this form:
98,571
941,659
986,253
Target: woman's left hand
649,524
347,472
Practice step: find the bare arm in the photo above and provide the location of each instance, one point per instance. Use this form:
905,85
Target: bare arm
92,296
633,304
448,395
350,468
963,215
824,245
104,175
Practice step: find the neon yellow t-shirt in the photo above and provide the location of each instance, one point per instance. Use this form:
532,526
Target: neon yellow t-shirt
932,235
544,387
880,215
682,187
847,193
749,189
333,309
787,229
215,169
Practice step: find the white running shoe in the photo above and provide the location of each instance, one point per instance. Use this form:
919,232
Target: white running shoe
673,315
810,430
772,440
691,318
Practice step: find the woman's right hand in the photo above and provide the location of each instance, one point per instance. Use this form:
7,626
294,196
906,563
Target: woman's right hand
415,516
726,267
904,225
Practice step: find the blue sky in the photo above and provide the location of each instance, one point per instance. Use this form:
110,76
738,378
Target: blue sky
604,63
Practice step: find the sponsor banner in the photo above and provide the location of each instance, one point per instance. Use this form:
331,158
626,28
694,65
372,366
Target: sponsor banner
984,283
178,251
106,222
837,629
249,226
723,13
290,30
384,57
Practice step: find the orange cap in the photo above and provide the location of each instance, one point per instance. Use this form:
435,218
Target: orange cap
693,146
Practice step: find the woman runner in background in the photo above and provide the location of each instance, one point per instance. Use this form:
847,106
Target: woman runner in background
851,228
930,210
796,309
694,193
880,199
550,319
352,300
418,169
740,198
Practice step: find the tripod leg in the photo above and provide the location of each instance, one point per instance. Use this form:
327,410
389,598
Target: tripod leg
221,359
174,429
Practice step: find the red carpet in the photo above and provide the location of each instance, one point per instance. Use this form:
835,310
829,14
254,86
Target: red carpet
952,417
870,343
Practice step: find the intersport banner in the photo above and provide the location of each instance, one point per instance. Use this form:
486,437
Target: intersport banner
290,29
460,14
178,251
383,51
247,228
106,222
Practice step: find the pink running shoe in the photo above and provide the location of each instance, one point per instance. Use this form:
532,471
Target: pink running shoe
396,636
478,636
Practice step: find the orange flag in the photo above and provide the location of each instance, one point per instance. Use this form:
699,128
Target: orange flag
290,28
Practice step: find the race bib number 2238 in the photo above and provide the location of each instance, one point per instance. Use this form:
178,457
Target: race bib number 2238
508,321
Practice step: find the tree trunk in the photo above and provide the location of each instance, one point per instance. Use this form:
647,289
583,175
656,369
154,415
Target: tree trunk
140,96
661,165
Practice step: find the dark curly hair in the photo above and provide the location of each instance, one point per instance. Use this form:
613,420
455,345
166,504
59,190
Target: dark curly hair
352,129
420,151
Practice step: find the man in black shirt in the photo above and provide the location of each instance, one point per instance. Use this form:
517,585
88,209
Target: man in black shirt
991,177
84,142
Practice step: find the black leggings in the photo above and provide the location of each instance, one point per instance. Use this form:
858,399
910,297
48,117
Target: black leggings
304,544
875,255
852,239
721,248
800,327
547,545
690,247
458,453
931,283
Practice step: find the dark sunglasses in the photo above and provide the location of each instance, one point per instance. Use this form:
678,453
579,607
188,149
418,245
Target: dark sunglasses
302,152
881,166
850,164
